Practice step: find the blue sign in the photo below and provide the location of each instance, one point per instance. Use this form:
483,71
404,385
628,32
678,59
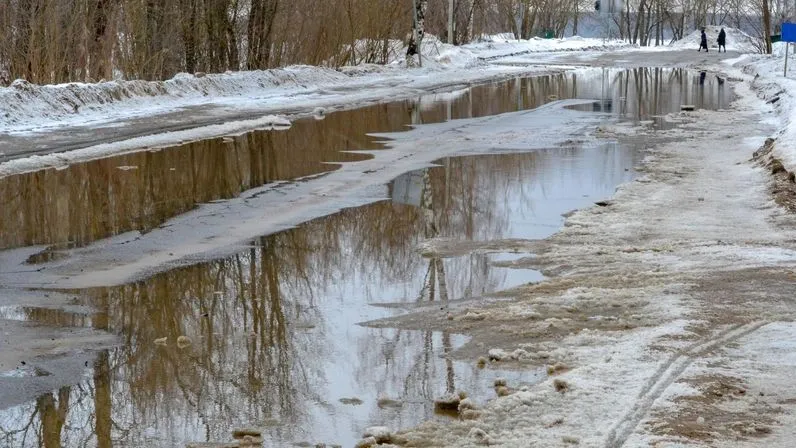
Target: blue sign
789,32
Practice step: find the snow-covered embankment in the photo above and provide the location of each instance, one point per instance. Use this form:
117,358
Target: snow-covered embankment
779,90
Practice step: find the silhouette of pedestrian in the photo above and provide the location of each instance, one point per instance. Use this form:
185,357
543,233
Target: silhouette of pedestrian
722,40
703,43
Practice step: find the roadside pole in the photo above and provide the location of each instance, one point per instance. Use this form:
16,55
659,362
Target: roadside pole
787,47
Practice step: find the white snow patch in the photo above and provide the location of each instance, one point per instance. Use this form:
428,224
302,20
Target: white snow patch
503,45
778,90
27,106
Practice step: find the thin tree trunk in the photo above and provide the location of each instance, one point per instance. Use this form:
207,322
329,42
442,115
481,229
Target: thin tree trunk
470,22
658,20
189,35
99,55
767,25
261,21
418,32
639,23
232,40
527,26
575,20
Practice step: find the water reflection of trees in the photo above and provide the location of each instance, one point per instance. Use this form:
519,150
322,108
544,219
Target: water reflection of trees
644,92
262,321
252,357
72,416
92,200
88,201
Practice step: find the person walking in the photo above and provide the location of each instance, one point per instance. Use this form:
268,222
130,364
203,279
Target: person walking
722,40
703,43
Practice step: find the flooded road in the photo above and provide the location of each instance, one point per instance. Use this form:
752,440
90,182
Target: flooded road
274,340
85,202
268,338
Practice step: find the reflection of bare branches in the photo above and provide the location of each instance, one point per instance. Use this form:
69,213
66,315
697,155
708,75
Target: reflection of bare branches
52,418
102,400
93,200
10,434
447,348
251,359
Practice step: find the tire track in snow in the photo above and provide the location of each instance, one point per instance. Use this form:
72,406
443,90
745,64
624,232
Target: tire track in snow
666,374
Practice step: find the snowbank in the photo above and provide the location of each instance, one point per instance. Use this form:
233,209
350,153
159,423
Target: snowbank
436,54
24,103
737,40
778,90
502,45
442,54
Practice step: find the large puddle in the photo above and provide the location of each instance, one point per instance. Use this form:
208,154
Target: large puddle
82,203
268,338
274,337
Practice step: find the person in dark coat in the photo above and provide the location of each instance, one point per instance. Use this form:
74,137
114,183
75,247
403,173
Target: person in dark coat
703,43
722,40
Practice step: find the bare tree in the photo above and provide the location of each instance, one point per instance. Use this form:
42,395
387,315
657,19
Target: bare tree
418,32
766,25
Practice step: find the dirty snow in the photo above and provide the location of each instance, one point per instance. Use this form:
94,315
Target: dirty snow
501,46
766,74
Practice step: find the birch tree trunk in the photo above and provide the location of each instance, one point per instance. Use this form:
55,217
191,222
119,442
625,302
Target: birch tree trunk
470,22
418,31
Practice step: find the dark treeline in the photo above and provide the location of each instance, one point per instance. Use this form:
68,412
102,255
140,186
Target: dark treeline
53,41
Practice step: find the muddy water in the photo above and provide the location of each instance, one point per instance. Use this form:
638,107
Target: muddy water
274,340
82,203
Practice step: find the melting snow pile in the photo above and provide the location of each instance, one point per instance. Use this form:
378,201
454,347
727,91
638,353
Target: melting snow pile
440,55
436,55
23,102
777,90
499,45
737,40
